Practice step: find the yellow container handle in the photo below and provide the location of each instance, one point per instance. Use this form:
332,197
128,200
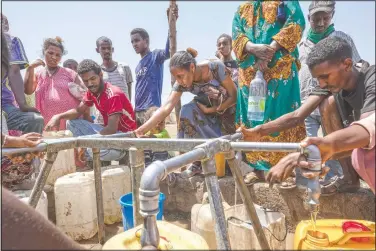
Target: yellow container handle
347,236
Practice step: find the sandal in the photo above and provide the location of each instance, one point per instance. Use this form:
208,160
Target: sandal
251,179
337,184
289,183
191,171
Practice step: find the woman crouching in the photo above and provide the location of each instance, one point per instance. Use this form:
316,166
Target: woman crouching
211,113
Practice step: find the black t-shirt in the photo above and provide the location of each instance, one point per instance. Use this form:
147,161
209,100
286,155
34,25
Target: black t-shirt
231,64
363,97
358,101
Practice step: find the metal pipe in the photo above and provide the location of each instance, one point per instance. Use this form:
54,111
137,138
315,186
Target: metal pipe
115,141
61,143
247,199
98,193
150,233
137,164
313,186
41,179
149,191
265,146
183,145
9,151
116,135
216,207
158,170
233,137
50,145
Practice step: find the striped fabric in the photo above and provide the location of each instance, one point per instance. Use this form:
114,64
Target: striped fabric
119,77
307,83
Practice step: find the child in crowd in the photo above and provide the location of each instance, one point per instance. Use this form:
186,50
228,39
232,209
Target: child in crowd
160,132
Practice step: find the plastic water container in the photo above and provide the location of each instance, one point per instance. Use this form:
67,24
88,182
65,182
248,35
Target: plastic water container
242,235
220,164
335,234
202,222
116,181
75,203
257,97
126,204
42,206
172,237
64,163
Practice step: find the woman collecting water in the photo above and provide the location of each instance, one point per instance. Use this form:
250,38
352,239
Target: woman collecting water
211,113
265,35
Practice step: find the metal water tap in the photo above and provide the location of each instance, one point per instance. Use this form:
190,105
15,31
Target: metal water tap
313,156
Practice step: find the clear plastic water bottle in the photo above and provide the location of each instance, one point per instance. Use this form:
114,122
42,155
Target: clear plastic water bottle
256,98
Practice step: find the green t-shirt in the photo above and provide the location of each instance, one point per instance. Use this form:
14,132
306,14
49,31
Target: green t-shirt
162,135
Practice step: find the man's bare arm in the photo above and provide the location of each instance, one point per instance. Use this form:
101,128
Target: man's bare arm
291,119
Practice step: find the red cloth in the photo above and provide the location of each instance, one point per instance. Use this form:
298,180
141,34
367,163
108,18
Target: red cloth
52,94
112,100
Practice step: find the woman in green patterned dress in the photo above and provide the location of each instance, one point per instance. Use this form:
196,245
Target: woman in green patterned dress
265,35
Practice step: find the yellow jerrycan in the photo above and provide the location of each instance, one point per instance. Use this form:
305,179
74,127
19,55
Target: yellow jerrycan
220,164
172,237
335,234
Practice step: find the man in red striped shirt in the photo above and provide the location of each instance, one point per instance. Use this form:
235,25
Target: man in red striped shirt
117,111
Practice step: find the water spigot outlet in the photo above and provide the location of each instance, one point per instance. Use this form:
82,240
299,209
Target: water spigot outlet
313,156
150,233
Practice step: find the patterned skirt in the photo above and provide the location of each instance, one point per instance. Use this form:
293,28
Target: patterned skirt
195,124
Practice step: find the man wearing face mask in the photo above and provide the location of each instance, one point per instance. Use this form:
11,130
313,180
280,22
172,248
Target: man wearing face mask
320,19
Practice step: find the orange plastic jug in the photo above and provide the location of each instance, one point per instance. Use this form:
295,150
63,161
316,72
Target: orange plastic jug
335,234
220,163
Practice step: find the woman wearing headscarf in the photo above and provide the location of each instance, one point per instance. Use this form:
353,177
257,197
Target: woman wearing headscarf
265,35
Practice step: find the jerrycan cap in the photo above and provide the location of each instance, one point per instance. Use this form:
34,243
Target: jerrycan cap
317,238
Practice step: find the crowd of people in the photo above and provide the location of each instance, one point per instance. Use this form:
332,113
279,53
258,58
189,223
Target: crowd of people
327,83
312,82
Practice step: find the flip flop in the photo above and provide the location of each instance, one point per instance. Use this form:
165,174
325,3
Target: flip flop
337,185
288,184
191,171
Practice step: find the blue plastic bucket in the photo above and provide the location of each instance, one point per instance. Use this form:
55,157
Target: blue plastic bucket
126,203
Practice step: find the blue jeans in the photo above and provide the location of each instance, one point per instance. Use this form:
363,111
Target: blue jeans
23,121
80,127
313,123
